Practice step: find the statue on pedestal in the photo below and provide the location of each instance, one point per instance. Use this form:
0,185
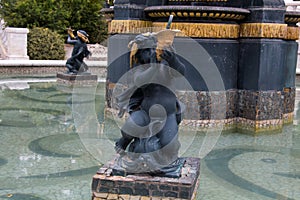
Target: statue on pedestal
149,142
75,63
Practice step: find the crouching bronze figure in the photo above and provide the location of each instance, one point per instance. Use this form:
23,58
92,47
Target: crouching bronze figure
149,142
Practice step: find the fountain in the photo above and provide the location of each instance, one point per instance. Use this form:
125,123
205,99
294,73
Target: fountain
258,93
240,63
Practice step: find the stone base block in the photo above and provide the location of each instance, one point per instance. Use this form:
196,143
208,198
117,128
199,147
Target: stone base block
258,126
146,187
233,124
77,79
288,118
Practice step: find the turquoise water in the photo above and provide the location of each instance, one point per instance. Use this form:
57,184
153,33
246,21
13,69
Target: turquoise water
54,139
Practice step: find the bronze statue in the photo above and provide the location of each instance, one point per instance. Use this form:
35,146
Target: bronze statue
75,63
149,142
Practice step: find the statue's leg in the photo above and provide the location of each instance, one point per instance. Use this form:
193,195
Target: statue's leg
167,156
78,65
169,132
69,67
83,67
77,68
134,127
168,138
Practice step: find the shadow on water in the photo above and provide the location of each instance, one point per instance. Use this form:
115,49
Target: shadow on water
20,196
218,162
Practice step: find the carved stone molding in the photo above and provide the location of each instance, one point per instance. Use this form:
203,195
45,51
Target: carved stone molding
292,17
197,12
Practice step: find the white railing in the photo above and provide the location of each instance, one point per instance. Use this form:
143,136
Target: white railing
292,5
98,51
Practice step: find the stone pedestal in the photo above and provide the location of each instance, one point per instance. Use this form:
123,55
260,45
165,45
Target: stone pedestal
142,187
16,42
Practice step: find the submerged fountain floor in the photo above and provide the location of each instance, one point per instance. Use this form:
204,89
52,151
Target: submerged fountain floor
46,154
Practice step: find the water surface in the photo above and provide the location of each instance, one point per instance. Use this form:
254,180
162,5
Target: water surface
54,139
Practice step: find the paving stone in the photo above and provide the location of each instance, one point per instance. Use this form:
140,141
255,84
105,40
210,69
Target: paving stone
113,197
124,197
135,197
100,195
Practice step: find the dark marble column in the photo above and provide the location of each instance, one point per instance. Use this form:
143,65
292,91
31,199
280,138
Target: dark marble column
261,72
291,18
129,9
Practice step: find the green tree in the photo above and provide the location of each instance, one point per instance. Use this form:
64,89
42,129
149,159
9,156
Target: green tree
57,15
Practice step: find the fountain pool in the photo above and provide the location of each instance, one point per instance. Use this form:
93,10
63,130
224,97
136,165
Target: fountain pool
46,154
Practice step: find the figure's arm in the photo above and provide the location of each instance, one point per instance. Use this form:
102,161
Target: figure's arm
70,40
135,101
71,37
143,76
170,56
80,51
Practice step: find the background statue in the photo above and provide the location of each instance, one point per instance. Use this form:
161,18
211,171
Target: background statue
151,131
75,63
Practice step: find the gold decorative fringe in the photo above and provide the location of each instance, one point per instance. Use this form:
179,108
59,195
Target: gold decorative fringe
208,30
128,26
263,30
109,26
203,30
292,33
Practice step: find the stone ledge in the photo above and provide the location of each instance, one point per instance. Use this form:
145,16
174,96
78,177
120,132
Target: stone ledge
8,68
80,80
46,63
107,186
78,77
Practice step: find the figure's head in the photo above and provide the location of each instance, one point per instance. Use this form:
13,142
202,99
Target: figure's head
147,45
83,35
143,49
